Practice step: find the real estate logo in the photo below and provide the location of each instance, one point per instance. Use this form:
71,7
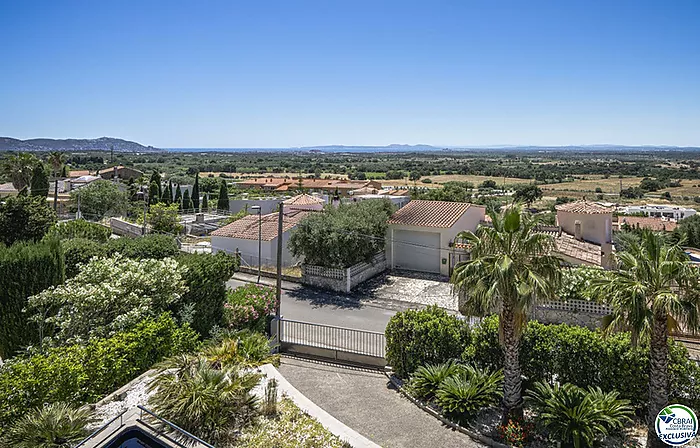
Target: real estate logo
676,425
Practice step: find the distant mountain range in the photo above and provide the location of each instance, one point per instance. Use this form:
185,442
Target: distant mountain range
73,144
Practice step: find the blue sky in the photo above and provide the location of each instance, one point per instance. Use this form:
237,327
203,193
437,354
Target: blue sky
298,73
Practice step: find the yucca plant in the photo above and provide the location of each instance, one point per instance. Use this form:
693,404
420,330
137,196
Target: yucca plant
426,380
461,396
577,417
56,425
212,403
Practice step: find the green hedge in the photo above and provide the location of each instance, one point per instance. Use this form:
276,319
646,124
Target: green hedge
149,246
80,229
80,251
569,354
83,374
25,269
206,278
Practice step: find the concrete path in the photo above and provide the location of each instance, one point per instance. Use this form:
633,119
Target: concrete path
364,400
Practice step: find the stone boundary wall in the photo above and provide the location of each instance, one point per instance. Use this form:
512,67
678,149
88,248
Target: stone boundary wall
343,280
124,228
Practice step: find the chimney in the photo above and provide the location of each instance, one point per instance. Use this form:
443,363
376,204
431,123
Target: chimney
199,217
577,230
606,255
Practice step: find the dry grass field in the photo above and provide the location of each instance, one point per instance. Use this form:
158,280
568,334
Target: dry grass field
442,178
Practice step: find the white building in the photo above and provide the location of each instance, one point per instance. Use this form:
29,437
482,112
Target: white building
585,237
421,234
659,211
242,236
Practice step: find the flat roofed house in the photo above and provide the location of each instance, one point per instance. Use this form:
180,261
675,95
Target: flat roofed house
421,235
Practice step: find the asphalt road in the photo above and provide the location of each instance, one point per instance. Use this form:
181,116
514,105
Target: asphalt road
324,307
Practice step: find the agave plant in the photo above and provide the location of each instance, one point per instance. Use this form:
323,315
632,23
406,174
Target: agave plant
578,417
426,380
461,396
212,403
56,425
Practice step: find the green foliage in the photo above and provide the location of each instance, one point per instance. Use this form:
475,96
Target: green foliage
55,425
450,192
195,193
632,193
222,203
84,373
187,202
248,306
19,168
25,269
527,194
576,283
689,229
205,276
463,395
516,433
79,251
156,179
343,236
150,246
488,183
426,380
578,417
212,403
80,228
153,197
25,218
100,198
107,296
419,337
242,348
40,181
205,202
164,218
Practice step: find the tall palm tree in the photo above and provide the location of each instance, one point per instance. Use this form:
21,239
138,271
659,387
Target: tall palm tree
19,169
56,159
56,425
511,268
654,290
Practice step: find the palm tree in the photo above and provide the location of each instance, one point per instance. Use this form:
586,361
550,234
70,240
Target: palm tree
56,159
19,169
653,291
56,425
511,268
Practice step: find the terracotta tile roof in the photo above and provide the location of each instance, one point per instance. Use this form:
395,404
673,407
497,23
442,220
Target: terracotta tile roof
78,173
246,228
304,199
580,250
429,214
655,224
586,207
400,193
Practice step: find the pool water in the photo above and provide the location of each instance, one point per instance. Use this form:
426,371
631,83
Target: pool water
134,438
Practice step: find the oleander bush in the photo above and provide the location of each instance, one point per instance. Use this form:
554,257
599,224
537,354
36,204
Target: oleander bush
565,353
248,306
84,373
25,269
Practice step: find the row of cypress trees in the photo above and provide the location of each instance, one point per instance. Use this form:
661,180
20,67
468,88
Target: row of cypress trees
156,194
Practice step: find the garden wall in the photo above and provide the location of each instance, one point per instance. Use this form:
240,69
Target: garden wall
342,280
124,228
573,312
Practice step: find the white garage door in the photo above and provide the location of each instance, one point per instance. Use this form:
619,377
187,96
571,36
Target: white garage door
417,251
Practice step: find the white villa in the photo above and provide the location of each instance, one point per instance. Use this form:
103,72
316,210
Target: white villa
659,211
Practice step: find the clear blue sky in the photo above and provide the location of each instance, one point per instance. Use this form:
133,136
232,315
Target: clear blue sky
295,73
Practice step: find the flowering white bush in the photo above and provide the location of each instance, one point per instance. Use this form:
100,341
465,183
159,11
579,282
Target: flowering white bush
108,295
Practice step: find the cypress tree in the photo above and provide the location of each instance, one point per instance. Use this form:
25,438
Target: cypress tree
153,193
195,193
205,202
186,201
178,196
155,177
64,171
222,203
40,181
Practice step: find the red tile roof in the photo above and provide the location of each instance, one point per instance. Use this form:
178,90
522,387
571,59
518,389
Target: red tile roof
586,207
429,214
246,228
304,199
581,250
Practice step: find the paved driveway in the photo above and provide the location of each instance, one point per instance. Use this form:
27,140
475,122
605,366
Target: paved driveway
406,286
365,401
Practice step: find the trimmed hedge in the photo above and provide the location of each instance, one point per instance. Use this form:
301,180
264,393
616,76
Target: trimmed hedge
80,229
148,246
82,374
567,354
25,269
206,278
79,251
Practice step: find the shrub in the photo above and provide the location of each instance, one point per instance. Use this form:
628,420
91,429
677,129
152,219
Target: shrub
576,283
578,417
248,306
149,246
419,337
463,395
55,425
80,229
25,269
81,374
205,277
516,433
79,251
100,198
108,295
25,218
164,218
242,348
426,380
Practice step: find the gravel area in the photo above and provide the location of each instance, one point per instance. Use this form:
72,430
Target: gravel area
414,287
136,395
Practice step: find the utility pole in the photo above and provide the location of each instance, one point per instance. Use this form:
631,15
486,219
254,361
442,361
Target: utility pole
78,215
280,220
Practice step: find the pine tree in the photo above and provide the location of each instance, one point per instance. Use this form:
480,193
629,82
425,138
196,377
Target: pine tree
40,181
187,202
205,202
222,203
195,193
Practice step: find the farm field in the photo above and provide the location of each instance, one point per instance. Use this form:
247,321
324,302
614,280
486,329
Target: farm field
442,178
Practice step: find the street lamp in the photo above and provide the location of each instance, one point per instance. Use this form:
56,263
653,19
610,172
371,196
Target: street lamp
259,210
